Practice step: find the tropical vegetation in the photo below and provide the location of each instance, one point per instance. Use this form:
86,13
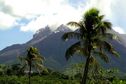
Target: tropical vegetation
33,59
93,39
92,42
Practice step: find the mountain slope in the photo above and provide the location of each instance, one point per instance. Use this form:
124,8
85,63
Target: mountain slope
53,49
49,44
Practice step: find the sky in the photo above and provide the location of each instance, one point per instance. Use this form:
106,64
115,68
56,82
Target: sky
20,19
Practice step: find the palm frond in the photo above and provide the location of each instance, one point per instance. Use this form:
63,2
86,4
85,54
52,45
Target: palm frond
23,60
33,58
110,49
109,36
115,53
105,37
102,27
92,60
94,63
107,25
102,55
101,17
37,59
39,66
23,67
75,24
72,49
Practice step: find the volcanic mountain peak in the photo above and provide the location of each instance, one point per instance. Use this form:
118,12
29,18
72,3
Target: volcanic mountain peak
53,48
62,28
42,32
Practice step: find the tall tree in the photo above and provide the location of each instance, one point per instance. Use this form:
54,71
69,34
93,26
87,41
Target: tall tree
33,59
92,38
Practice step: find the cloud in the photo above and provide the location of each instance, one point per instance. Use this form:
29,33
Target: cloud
25,7
6,21
119,13
5,8
40,12
53,13
120,30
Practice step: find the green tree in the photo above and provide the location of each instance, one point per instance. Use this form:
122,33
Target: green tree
16,69
3,69
73,70
33,59
92,39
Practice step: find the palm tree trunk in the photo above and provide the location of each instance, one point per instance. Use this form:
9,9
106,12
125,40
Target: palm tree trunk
29,73
86,68
84,78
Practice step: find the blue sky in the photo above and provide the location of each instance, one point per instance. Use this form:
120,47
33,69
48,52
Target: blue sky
20,19
13,36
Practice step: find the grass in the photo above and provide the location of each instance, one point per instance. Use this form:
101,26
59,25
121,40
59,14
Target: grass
48,79
54,78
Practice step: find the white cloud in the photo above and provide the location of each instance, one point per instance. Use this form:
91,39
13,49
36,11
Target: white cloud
6,21
119,30
46,12
65,13
54,13
34,7
24,7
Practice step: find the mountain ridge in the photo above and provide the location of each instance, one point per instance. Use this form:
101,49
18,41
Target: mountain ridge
51,46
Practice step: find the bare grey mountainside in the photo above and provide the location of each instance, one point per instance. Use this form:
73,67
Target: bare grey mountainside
52,47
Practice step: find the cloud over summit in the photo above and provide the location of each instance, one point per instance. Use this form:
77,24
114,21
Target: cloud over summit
40,13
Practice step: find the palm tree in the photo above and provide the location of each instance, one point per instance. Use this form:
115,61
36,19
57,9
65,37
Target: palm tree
33,59
92,39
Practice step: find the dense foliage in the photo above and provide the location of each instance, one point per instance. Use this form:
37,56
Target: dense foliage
35,80
55,78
